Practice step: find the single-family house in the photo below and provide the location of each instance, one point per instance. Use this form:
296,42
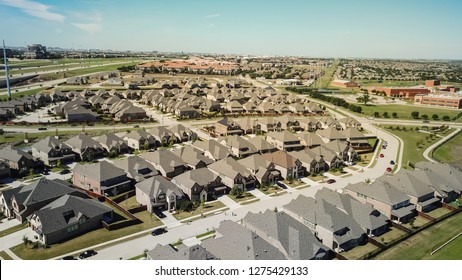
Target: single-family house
166,162
85,147
289,166
200,184
137,168
18,160
284,140
233,174
158,193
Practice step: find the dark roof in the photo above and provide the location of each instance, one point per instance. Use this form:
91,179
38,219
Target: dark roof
101,171
13,154
136,167
68,210
167,252
42,190
155,185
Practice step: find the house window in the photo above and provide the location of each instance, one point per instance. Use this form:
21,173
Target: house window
72,228
82,220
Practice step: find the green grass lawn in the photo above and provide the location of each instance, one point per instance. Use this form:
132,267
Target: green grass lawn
391,235
422,244
327,77
412,152
244,197
209,207
130,203
451,251
390,83
13,229
418,222
450,152
316,178
84,71
270,190
358,252
5,256
404,111
438,212
365,159
89,239
294,184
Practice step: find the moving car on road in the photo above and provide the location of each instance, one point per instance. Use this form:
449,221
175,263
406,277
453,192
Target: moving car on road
158,231
87,254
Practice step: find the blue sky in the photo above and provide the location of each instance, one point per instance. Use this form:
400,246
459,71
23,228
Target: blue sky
329,28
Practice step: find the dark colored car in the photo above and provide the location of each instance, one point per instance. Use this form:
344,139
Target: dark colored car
64,171
42,128
392,162
381,155
281,185
331,181
159,214
87,254
136,126
158,231
69,258
45,172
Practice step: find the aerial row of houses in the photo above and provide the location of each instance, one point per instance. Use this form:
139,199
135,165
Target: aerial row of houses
12,108
312,228
49,151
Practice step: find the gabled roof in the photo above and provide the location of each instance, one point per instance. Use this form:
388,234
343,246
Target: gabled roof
281,158
68,210
408,184
283,136
381,191
201,176
450,172
331,133
230,168
101,171
364,214
42,190
351,132
192,155
156,185
82,142
111,140
298,243
216,150
167,252
138,134
255,162
13,154
165,158
238,142
261,144
310,138
234,242
136,167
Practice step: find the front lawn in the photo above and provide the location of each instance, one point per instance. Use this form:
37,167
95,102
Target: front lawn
270,190
243,197
209,207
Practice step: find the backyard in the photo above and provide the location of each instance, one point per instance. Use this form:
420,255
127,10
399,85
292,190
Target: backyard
423,243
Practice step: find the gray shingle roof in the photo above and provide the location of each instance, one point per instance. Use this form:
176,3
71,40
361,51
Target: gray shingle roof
201,176
42,190
296,239
167,252
136,168
50,143
53,218
101,171
408,184
216,150
230,168
13,154
234,242
156,185
192,155
380,190
82,142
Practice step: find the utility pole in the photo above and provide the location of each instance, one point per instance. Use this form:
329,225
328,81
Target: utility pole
6,71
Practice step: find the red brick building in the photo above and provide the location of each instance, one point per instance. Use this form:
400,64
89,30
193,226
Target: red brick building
432,83
443,100
404,92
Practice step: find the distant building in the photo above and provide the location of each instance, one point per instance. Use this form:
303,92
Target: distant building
405,92
343,83
443,100
432,83
36,51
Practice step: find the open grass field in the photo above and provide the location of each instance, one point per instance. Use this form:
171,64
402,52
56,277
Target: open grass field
324,81
422,244
404,111
373,83
412,151
450,152
78,72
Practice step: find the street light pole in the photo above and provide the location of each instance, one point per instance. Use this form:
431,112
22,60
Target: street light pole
6,71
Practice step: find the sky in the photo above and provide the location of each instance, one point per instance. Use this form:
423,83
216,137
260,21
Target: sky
408,29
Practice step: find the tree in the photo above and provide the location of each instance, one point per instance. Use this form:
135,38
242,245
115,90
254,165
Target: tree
424,117
446,118
59,164
146,145
376,114
236,192
415,114
365,98
394,114
385,115
435,116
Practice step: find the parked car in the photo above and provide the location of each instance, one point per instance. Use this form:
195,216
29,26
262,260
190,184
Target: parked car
384,147
159,214
381,155
331,181
158,231
42,128
87,254
136,126
46,172
69,258
64,171
388,169
281,185
392,162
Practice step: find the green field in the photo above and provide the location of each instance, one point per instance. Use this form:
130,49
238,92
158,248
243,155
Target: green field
85,71
412,151
373,83
324,81
422,244
450,152
404,111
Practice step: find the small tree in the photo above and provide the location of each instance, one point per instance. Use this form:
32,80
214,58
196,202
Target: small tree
446,118
424,117
415,114
146,145
59,164
394,115
435,116
385,115
376,114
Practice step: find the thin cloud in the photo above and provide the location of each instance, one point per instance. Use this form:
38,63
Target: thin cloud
35,9
212,16
89,27
211,25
